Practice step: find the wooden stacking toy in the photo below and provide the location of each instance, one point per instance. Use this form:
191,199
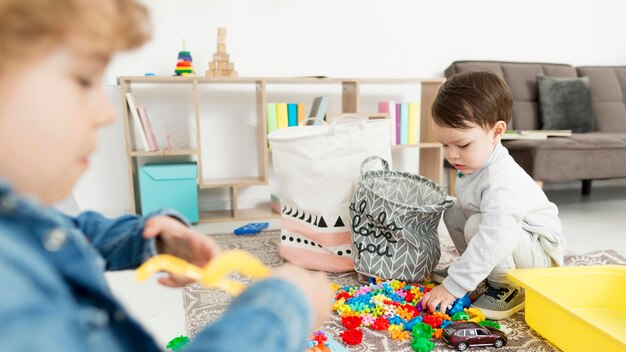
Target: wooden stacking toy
221,65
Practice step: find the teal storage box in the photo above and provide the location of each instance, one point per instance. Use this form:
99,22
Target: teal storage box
171,185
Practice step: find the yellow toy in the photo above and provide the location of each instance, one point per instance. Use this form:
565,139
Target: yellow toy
213,274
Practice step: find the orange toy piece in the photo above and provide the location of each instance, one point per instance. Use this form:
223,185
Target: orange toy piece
442,316
438,333
213,274
398,333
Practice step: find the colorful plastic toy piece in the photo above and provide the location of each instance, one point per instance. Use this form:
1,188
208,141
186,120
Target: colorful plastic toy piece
251,229
213,274
177,343
475,314
422,330
351,321
422,344
493,324
459,304
352,336
460,316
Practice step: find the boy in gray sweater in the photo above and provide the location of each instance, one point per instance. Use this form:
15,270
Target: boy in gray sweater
501,218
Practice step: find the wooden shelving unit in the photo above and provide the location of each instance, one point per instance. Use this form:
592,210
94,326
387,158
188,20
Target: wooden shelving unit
430,151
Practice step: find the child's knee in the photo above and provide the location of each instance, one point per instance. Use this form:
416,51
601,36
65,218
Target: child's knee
471,226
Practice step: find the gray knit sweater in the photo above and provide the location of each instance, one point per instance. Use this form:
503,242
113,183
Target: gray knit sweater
508,200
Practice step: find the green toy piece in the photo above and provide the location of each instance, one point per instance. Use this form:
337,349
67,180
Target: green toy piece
422,330
422,344
177,343
460,316
491,323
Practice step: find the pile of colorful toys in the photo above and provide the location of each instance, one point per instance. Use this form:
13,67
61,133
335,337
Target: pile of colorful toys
395,306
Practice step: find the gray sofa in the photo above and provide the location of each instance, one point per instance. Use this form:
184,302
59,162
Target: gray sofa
600,154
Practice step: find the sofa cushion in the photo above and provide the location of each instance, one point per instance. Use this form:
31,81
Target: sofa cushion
565,103
522,80
608,94
580,156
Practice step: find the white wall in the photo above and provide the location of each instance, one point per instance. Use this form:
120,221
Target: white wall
343,38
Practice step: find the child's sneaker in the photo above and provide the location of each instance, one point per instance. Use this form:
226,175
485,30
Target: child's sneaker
499,303
438,275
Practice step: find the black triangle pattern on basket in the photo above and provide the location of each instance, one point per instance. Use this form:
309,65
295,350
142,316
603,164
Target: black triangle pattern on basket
312,219
394,225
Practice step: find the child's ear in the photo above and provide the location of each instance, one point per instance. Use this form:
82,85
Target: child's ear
498,130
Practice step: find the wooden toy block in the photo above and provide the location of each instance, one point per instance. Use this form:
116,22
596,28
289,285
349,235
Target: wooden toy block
213,65
221,40
221,57
221,31
221,48
222,65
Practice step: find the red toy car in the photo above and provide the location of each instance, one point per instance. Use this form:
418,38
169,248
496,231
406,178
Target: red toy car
463,334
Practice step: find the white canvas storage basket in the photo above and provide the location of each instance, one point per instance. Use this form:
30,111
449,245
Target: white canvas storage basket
318,168
394,217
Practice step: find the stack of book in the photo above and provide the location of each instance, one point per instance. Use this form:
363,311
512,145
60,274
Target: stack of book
405,121
282,115
142,124
535,134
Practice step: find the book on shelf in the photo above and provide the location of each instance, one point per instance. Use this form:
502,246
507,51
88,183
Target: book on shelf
398,124
549,133
147,127
292,114
282,116
319,107
414,123
390,108
535,134
272,122
301,113
404,123
132,106
404,120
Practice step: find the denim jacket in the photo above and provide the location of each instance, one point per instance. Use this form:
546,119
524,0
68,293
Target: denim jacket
54,297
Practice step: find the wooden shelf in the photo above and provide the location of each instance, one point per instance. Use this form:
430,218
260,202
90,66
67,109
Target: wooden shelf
260,213
274,80
232,182
164,152
430,152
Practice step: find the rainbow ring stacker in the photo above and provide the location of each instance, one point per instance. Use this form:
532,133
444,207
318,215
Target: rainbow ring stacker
213,274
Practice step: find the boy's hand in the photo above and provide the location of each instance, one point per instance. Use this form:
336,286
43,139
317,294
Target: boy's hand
438,296
314,285
173,237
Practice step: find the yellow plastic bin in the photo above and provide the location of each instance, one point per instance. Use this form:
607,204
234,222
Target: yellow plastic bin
580,308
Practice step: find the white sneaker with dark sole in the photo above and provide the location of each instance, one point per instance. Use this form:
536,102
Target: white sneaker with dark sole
499,303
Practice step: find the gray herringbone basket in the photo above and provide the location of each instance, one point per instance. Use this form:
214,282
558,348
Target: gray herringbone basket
394,217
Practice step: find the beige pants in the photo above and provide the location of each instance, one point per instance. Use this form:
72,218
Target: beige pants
528,254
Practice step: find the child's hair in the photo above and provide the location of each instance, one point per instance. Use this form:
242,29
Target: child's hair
480,97
30,27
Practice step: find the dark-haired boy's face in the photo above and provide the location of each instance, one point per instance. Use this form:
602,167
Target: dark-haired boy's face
466,149
50,110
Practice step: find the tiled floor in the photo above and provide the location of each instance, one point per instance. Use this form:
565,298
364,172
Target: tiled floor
590,223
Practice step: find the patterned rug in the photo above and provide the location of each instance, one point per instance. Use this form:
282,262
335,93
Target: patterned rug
203,306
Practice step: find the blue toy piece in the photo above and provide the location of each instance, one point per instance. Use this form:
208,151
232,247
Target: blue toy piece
459,304
251,229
